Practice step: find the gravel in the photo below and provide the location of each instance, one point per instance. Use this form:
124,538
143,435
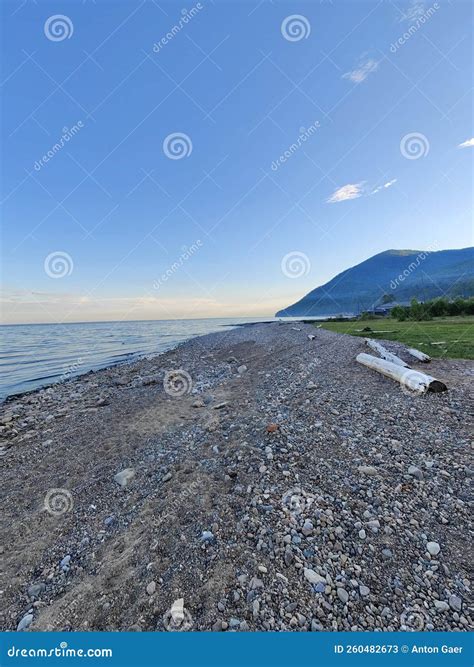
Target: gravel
331,519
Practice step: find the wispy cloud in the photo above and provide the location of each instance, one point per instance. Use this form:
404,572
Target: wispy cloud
413,12
467,144
361,71
349,191
356,190
386,185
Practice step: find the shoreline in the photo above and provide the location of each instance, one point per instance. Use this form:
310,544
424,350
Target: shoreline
129,357
273,484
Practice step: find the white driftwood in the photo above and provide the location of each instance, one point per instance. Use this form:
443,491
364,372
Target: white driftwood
414,380
384,353
421,356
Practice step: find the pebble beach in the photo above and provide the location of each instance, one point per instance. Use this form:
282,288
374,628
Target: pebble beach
256,479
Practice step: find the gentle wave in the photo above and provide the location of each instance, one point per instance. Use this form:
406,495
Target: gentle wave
36,355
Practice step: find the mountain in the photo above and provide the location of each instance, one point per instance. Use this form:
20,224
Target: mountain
404,274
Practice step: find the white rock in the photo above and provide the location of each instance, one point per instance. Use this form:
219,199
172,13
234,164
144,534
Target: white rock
313,577
177,610
433,548
151,588
124,476
441,605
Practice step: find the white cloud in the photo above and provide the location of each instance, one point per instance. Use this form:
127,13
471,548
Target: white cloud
413,12
349,191
362,71
356,190
467,144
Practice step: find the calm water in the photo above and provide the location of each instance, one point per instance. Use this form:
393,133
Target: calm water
35,355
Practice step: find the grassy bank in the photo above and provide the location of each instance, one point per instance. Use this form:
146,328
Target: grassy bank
456,334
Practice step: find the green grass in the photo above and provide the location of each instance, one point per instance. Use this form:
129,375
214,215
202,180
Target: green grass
456,332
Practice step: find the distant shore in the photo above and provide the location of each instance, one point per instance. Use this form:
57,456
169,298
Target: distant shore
261,476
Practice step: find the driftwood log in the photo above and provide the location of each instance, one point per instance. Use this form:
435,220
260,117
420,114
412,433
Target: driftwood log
384,353
416,381
421,356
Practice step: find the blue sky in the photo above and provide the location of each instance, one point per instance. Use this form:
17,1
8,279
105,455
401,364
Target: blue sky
370,100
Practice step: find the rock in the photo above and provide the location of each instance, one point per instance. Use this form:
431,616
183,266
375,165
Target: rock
124,476
272,428
109,521
65,563
315,626
288,557
35,590
167,477
343,595
208,537
25,623
307,528
241,369
219,406
312,576
441,605
151,588
367,470
414,471
177,611
362,534
433,548
387,553
199,403
455,602
364,590
255,583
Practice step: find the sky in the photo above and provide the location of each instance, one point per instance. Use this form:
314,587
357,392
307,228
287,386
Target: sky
225,158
